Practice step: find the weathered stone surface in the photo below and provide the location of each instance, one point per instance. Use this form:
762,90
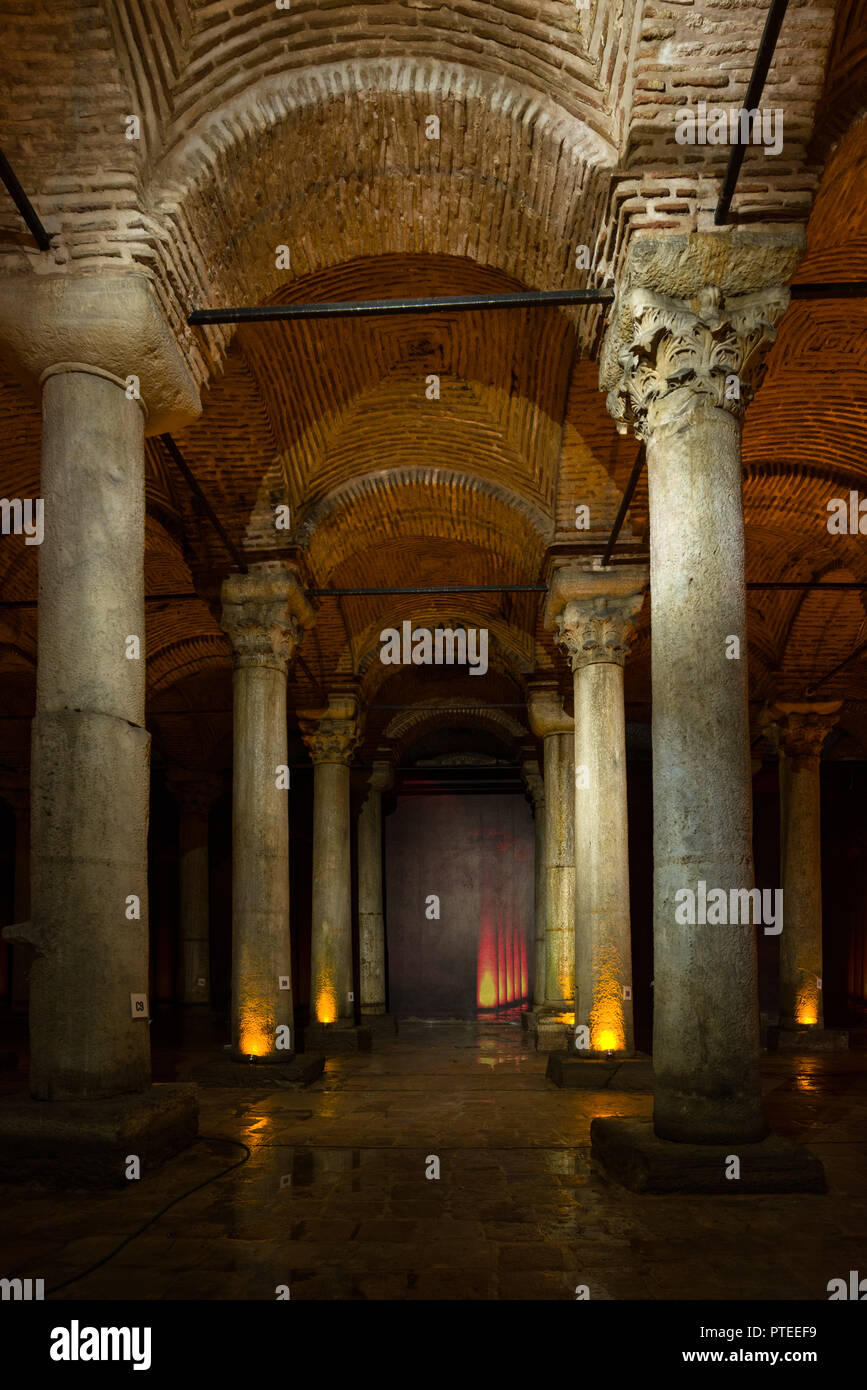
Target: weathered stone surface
808,1040
87,1143
633,1155
599,1074
332,1039
260,1076
332,734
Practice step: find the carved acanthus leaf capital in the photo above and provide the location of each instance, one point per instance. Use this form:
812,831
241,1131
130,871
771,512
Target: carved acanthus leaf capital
265,614
332,734
802,728
680,353
592,611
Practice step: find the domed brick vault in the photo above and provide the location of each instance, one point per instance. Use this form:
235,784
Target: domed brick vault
305,129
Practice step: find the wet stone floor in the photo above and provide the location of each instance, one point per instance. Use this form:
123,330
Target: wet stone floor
335,1201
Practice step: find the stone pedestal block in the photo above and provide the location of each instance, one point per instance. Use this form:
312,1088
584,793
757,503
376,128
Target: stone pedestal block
634,1156
260,1076
334,1038
599,1074
808,1040
74,1143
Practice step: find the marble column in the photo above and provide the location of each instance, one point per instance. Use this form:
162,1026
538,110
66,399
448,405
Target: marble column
681,359
536,790
549,722
264,615
593,611
110,372
371,921
802,729
195,794
332,734
15,791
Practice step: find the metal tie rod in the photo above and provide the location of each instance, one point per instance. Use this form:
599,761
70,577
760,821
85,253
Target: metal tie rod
520,299
767,44
23,204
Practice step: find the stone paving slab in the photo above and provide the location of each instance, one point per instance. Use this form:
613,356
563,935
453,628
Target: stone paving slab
335,1201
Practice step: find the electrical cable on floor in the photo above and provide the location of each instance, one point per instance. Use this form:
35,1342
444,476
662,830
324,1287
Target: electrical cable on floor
201,1139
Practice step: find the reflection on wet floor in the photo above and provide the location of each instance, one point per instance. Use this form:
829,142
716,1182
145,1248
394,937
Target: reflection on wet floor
443,1164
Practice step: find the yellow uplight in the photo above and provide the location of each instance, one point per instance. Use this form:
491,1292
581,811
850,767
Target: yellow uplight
326,1000
254,1042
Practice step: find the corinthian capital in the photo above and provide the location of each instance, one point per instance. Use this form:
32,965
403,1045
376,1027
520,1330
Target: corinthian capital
709,350
803,727
592,610
693,318
332,734
265,614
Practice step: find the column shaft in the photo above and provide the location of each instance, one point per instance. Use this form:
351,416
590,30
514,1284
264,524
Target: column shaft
371,920
603,949
706,1025
801,937
559,895
261,951
331,948
195,964
90,750
264,613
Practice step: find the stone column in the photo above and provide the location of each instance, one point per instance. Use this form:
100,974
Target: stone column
550,723
90,749
332,735
692,318
371,922
195,794
593,611
803,728
536,789
15,791
264,615
110,371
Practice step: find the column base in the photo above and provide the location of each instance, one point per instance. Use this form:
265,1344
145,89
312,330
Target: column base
794,1039
631,1154
86,1143
551,1035
292,1075
600,1073
334,1038
530,1017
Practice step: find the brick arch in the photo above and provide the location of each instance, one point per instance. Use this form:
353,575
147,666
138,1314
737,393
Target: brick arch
504,534
511,651
320,160
411,725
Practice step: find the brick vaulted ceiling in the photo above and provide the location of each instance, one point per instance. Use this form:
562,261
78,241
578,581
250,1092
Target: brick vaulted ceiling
306,128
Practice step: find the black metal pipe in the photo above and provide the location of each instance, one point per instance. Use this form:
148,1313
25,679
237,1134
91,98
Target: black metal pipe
519,299
23,204
859,651
215,521
624,504
794,586
764,55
